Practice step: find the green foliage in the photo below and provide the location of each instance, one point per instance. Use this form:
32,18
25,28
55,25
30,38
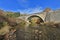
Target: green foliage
2,24
16,14
22,23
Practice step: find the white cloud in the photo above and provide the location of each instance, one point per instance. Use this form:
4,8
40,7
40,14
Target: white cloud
31,10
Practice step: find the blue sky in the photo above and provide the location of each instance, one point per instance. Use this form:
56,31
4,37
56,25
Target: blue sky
29,6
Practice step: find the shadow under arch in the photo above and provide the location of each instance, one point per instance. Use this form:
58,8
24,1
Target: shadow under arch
29,18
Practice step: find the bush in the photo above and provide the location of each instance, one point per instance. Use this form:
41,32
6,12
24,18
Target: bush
2,24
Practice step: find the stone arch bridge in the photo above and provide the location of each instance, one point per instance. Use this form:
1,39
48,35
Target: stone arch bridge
42,16
51,16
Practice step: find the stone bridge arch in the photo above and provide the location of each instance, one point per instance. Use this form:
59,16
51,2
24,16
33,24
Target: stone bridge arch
38,16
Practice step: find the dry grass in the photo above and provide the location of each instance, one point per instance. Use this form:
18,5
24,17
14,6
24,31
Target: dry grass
4,30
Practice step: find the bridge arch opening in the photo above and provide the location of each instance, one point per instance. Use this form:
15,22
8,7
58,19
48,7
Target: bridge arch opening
35,18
